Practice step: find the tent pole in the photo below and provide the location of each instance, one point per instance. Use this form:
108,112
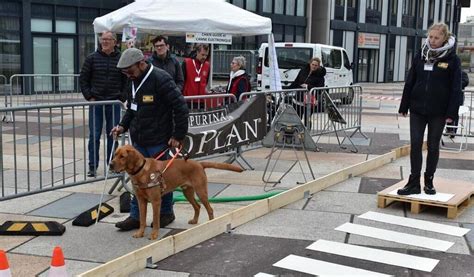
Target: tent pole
211,73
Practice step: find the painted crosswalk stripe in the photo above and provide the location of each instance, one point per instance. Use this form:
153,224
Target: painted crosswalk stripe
375,255
416,223
321,268
435,244
262,274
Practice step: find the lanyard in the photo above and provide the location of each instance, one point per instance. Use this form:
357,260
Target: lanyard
134,92
195,68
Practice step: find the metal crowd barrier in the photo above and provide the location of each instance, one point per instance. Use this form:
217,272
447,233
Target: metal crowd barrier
203,103
469,102
46,148
38,89
310,107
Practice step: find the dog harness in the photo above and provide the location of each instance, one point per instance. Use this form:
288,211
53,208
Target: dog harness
156,178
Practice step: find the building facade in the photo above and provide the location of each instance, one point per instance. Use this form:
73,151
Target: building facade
381,36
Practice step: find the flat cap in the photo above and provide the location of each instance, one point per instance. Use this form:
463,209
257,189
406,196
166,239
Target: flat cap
130,57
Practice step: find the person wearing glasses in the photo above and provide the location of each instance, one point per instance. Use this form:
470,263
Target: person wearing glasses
156,118
101,80
163,59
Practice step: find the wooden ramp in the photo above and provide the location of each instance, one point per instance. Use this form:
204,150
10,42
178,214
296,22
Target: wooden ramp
453,195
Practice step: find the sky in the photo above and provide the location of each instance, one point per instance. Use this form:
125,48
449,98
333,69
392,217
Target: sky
467,12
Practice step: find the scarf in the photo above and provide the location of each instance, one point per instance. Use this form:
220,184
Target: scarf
233,75
431,55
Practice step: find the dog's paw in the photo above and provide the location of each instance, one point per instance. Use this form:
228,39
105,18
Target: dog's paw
192,221
139,234
153,235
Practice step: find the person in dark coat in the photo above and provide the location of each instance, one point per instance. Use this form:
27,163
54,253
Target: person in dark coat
238,79
432,94
156,117
101,80
163,59
310,76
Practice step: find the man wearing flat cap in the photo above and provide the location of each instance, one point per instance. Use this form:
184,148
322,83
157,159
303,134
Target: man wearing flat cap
156,118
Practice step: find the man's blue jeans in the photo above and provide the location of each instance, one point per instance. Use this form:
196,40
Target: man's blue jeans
167,199
97,114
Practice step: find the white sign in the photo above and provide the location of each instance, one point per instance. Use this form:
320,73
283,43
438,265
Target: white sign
368,40
214,38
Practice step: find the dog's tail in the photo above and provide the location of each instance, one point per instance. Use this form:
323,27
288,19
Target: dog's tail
223,166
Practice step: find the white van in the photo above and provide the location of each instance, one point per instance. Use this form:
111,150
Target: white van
292,56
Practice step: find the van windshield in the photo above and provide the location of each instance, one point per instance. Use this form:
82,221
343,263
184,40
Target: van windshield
291,57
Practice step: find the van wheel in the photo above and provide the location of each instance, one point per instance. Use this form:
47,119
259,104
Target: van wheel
349,98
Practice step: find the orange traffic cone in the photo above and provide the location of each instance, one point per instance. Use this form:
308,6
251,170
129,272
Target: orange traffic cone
58,267
4,267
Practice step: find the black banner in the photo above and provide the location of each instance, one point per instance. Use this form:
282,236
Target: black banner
226,127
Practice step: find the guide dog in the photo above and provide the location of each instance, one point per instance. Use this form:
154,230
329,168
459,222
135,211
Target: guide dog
150,182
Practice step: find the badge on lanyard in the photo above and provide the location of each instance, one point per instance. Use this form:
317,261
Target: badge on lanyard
197,79
428,67
134,107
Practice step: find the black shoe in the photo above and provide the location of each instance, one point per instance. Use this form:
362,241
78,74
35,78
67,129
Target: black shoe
165,220
91,173
429,188
128,224
412,187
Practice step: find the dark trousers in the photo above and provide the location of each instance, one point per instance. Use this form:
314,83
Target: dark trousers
167,199
418,124
97,115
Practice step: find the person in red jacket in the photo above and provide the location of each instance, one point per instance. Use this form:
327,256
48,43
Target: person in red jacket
196,75
238,79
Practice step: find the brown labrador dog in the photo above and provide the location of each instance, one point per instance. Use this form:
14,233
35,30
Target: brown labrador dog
149,183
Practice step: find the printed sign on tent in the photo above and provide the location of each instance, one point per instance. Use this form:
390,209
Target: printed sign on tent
214,38
130,36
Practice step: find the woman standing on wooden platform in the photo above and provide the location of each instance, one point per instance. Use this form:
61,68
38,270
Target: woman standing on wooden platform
432,93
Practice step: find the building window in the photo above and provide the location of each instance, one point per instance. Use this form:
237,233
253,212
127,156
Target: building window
299,34
419,18
41,25
289,33
279,6
339,10
10,46
448,13
290,7
278,32
337,37
300,7
431,10
352,10
267,6
393,12
408,13
373,13
238,3
251,5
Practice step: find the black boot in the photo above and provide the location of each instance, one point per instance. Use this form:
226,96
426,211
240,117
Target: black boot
412,187
429,188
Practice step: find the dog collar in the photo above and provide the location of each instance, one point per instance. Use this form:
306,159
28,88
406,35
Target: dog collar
140,168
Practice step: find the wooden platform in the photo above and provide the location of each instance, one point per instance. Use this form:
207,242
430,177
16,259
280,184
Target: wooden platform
462,196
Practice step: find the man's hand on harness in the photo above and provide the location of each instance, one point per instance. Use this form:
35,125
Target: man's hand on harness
116,131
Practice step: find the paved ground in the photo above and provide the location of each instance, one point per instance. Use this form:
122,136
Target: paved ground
254,247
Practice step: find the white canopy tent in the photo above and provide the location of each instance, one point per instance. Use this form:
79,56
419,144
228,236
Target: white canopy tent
181,16
177,17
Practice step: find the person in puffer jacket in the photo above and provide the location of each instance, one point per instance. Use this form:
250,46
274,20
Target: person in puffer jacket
101,80
432,94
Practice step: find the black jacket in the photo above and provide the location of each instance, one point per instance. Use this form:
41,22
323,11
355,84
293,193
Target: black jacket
171,65
436,92
162,112
315,79
100,78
